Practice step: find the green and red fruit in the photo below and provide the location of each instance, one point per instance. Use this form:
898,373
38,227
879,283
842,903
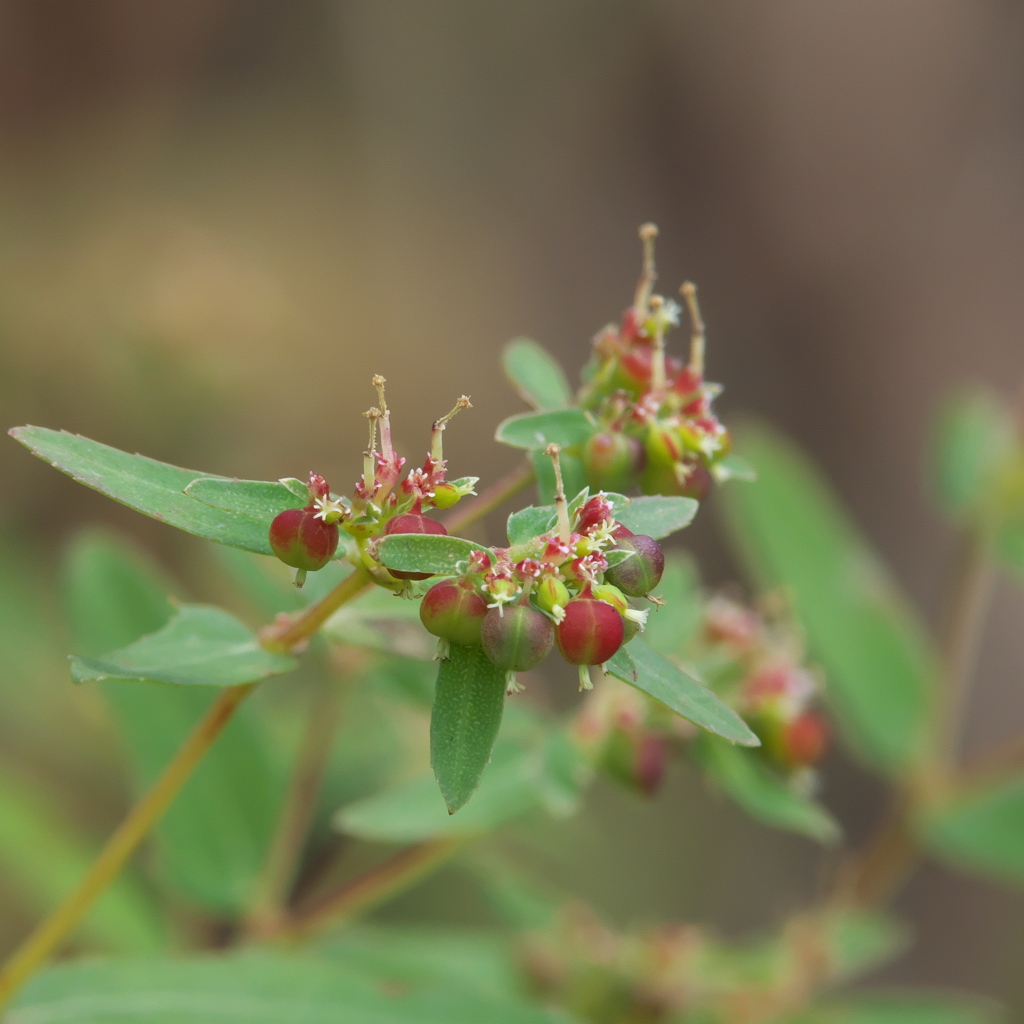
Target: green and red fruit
639,575
804,739
302,540
413,522
591,632
516,637
610,460
454,610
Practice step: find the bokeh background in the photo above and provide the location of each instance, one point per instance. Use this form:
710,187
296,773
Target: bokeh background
218,218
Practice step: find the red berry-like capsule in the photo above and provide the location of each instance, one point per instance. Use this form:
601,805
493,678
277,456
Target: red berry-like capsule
804,739
303,541
591,632
516,637
413,522
453,610
639,575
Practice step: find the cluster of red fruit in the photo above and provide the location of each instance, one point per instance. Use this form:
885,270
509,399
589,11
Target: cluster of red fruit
569,587
307,538
657,428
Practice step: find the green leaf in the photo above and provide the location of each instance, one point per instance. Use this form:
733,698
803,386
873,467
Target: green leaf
981,830
464,722
536,430
426,552
574,478
44,859
257,499
666,682
382,621
530,522
657,516
212,840
734,467
975,437
536,375
859,942
907,1007
670,628
793,533
151,487
254,988
415,810
200,646
762,793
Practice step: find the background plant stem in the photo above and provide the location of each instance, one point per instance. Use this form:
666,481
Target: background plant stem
489,499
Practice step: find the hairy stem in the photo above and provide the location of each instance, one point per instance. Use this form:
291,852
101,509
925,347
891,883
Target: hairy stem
380,883
41,944
489,499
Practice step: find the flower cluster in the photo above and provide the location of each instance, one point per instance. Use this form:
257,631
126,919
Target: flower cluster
657,429
568,587
382,501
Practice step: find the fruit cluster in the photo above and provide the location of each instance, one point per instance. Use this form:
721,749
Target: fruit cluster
568,587
383,503
657,429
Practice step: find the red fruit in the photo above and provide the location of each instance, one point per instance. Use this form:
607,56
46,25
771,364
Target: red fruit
805,738
453,610
639,575
687,382
413,522
591,632
301,540
516,637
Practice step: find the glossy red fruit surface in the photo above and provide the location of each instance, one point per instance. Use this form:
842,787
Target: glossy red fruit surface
301,540
413,522
639,575
591,632
454,611
516,637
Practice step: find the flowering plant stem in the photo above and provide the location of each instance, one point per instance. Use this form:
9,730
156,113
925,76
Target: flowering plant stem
48,936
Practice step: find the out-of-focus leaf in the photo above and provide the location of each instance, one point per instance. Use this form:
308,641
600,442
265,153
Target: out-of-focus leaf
763,794
975,437
734,467
265,582
665,681
211,842
981,830
670,627
536,375
464,722
574,478
415,810
257,499
529,522
383,622
425,552
657,516
860,942
255,989
44,859
200,646
536,430
793,533
153,488
907,1007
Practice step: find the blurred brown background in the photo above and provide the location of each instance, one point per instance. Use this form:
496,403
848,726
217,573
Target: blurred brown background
219,218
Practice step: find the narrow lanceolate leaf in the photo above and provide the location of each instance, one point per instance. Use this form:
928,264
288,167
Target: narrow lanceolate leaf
536,375
564,427
665,681
903,1007
258,499
211,843
981,831
762,793
793,533
43,859
657,516
259,988
154,488
464,722
530,522
200,646
419,552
